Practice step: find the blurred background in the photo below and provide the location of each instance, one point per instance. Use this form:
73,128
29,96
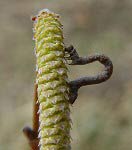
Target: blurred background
102,114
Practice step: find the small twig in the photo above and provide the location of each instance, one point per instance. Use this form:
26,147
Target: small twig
32,134
83,81
32,138
35,110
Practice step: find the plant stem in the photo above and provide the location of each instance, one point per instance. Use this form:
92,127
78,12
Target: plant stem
53,89
35,110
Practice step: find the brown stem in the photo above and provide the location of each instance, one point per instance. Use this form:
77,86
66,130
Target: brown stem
35,110
88,80
32,134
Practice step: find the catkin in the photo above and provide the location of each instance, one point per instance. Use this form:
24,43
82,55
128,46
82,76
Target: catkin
54,111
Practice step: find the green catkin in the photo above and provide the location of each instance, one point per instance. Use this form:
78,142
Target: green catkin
54,111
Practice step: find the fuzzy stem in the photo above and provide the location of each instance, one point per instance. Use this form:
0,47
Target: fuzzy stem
53,89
